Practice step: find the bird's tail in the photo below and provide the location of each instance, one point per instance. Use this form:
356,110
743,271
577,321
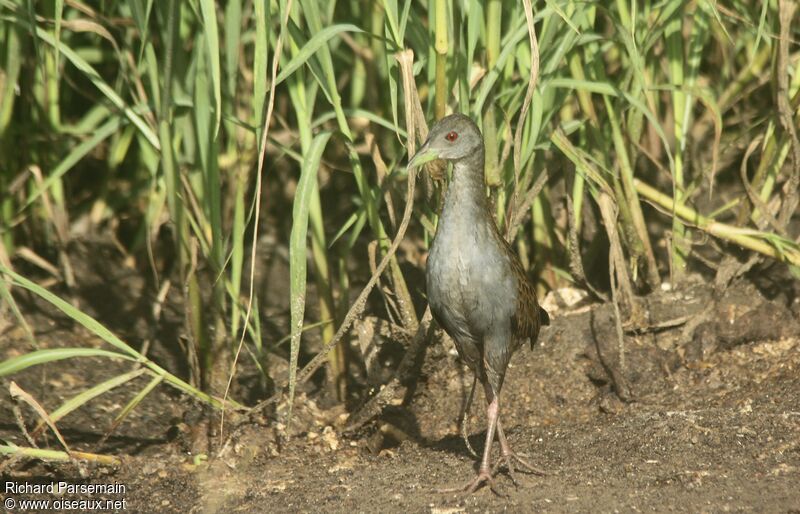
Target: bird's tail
544,318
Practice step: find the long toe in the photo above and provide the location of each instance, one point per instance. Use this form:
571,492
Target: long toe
483,477
514,463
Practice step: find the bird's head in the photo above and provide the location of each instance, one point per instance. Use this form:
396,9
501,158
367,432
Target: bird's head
452,138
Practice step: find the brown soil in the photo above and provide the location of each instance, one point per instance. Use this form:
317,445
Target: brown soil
712,423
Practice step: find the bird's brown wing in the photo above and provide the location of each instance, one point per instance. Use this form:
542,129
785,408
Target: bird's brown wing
529,316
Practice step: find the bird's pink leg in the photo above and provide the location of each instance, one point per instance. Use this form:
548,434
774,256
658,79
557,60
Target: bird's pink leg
462,418
485,471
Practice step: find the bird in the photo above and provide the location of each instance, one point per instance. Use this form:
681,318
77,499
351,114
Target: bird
477,289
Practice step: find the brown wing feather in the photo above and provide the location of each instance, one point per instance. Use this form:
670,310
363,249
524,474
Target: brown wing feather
529,316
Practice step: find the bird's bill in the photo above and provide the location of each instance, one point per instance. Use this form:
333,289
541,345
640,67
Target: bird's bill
424,155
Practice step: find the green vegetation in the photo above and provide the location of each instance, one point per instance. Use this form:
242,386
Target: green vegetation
615,132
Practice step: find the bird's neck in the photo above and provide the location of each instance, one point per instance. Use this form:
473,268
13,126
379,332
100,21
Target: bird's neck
465,199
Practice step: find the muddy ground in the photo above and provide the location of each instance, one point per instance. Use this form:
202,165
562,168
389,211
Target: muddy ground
710,420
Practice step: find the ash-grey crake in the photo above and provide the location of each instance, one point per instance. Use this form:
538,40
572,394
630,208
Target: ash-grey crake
477,288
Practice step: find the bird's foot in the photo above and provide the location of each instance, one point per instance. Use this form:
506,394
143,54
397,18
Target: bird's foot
483,477
514,462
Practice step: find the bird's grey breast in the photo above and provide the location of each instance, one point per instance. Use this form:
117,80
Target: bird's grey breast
471,288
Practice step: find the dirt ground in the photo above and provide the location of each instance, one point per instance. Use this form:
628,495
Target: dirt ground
711,422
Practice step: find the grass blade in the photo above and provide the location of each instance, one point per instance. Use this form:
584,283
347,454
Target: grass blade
298,249
89,394
96,79
211,36
18,393
106,335
319,39
136,400
17,364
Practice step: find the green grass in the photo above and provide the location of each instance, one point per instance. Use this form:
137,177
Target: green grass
184,112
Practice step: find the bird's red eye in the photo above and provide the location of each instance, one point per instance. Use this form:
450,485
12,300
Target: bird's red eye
451,136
